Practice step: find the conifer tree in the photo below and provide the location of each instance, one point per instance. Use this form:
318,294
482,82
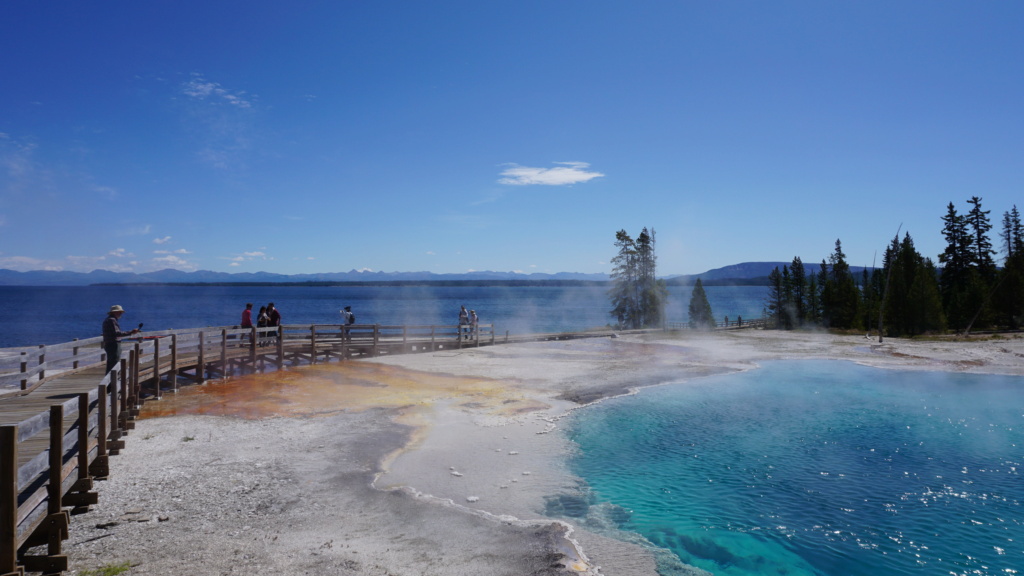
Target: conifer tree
638,297
956,271
840,297
1009,296
979,224
701,316
775,300
798,290
912,305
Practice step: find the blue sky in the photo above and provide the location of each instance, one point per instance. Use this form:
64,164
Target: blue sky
454,136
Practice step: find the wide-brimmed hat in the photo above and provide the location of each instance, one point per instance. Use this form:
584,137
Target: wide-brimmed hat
116,308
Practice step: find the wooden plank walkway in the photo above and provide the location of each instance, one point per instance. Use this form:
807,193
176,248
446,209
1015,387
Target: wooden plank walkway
62,416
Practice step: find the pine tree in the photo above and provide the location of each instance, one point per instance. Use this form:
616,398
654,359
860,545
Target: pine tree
912,304
798,289
956,271
978,222
625,303
701,316
775,300
1009,296
840,297
638,297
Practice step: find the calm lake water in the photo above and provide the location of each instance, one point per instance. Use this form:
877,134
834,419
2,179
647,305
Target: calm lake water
49,315
814,468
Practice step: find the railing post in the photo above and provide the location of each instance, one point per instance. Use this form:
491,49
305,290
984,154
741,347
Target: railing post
74,353
83,435
42,360
99,466
201,361
117,405
136,383
492,334
174,362
432,345
312,343
223,352
376,339
24,369
54,488
252,348
9,500
280,347
156,368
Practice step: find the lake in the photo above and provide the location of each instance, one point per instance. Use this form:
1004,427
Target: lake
50,315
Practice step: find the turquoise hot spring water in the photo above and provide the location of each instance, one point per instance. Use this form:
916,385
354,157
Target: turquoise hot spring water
811,467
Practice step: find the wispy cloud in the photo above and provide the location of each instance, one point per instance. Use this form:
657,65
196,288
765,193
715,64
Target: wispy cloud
223,121
120,253
135,230
174,261
178,251
200,88
247,257
17,163
106,191
163,240
563,174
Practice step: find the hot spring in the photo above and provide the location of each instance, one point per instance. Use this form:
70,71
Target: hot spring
810,467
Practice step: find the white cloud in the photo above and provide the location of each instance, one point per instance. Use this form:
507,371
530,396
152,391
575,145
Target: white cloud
106,191
247,256
200,88
234,264
25,263
175,262
431,253
120,253
566,173
178,251
163,240
137,231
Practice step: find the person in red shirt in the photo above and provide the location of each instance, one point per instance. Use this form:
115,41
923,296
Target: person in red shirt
247,315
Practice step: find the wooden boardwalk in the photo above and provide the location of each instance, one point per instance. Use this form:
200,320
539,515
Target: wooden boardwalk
61,416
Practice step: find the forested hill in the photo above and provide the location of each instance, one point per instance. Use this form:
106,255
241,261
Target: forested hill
746,274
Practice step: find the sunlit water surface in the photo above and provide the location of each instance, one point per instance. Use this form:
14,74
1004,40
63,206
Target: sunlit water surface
813,467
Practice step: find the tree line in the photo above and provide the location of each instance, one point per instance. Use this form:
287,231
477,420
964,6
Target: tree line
909,294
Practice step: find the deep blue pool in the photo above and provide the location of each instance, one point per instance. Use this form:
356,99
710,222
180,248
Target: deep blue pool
815,467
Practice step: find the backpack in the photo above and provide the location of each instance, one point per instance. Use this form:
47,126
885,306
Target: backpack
351,318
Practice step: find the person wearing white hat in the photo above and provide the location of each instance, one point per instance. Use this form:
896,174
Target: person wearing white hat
112,334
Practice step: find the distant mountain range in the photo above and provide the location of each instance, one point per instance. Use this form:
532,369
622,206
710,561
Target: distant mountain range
752,273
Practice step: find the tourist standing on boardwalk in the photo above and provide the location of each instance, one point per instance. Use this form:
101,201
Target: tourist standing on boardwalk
463,322
274,319
112,334
262,321
474,321
247,315
347,318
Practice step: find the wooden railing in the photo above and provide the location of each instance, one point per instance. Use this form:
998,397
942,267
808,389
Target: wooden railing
50,453
726,325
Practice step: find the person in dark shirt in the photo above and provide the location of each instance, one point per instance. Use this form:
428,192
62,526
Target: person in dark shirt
112,334
273,319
